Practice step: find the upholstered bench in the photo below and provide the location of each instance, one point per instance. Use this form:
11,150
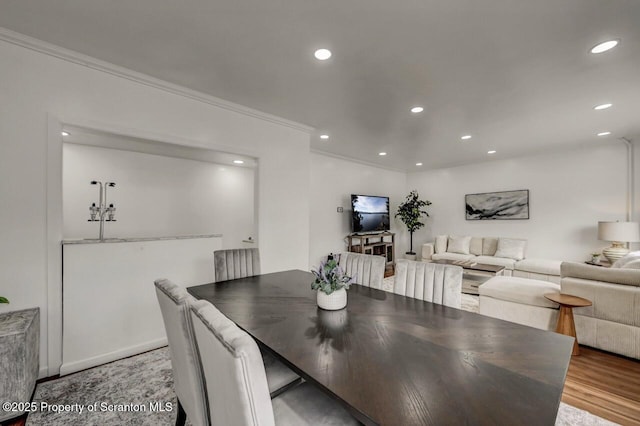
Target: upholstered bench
538,269
519,300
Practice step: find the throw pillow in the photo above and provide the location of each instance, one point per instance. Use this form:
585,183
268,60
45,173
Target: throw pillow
475,246
489,246
441,244
628,258
458,244
511,248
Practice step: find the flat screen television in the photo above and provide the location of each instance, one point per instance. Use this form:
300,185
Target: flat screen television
369,214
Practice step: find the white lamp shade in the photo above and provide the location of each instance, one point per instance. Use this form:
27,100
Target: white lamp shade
628,232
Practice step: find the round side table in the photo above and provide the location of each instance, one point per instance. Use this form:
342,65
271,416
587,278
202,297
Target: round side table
566,325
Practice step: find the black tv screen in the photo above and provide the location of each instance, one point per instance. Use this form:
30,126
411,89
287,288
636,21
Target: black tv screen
369,213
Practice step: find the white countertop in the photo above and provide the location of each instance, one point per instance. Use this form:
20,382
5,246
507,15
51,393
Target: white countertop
138,239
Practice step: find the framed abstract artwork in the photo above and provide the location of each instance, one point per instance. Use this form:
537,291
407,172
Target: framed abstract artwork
505,205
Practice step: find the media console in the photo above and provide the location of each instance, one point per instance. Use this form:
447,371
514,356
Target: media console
379,244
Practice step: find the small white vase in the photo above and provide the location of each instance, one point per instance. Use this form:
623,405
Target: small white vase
332,302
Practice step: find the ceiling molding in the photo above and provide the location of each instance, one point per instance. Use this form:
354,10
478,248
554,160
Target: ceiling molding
37,45
356,160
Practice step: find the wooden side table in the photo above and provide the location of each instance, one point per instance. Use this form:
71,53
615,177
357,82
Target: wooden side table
566,325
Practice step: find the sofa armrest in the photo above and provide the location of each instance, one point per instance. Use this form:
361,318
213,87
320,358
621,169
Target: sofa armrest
598,273
427,251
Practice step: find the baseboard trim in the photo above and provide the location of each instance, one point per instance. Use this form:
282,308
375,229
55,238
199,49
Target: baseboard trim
43,372
75,366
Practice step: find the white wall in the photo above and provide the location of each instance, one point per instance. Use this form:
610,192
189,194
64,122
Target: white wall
157,195
333,180
39,92
570,191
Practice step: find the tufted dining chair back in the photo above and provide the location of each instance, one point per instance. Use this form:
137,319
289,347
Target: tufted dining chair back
236,263
368,269
430,282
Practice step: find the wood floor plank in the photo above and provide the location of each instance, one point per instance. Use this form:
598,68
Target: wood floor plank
604,384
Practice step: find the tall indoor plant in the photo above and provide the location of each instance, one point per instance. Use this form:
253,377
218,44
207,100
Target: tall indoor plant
410,212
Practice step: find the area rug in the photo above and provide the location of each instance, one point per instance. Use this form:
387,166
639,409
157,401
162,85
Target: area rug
124,388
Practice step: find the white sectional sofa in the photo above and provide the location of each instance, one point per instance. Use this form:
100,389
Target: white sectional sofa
507,252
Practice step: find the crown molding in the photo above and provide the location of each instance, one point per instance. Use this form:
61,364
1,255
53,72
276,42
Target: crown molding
356,160
77,58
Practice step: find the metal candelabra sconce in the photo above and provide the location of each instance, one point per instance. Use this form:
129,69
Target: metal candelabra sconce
102,212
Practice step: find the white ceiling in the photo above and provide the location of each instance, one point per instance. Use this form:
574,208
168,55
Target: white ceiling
516,74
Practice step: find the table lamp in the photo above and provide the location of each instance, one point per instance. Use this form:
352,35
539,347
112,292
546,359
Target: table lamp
618,233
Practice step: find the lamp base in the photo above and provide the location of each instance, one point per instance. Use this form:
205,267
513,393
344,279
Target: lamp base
615,252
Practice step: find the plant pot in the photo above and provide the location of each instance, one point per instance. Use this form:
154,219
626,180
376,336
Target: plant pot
332,302
410,256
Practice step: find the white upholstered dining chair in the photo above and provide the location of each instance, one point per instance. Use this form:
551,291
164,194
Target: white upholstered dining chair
236,263
186,364
431,282
367,269
237,388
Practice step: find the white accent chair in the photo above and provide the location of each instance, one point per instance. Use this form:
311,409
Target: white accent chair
237,388
368,269
187,372
236,263
612,323
430,282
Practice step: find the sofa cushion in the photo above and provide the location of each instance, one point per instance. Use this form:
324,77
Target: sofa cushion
452,256
489,246
597,273
634,264
623,261
458,244
511,248
441,244
475,246
519,290
498,261
539,266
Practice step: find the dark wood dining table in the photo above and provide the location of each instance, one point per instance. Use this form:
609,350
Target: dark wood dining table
394,360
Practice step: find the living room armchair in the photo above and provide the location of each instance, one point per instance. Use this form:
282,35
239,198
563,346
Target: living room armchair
612,323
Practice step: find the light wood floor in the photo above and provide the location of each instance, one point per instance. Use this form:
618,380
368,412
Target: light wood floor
605,385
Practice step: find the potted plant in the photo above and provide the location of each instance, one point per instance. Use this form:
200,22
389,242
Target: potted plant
410,213
4,300
331,284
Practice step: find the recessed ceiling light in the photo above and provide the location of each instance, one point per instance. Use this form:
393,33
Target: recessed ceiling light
604,133
603,47
602,106
417,109
324,136
322,54
465,137
491,152
382,153
65,133
418,164
238,162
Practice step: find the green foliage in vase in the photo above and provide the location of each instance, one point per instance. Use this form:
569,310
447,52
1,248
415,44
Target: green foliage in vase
330,277
410,213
